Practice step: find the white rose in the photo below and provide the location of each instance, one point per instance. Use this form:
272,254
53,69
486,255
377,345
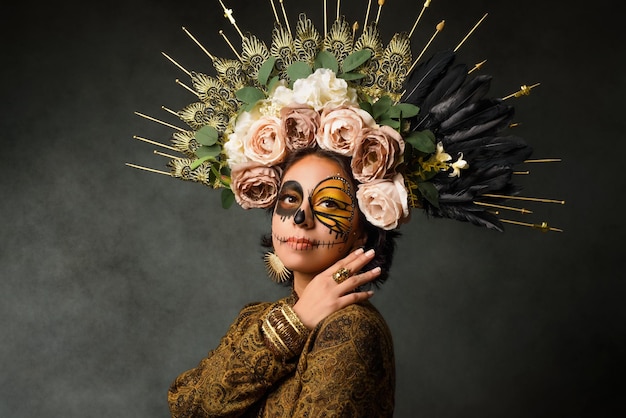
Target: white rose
323,89
282,96
234,146
384,202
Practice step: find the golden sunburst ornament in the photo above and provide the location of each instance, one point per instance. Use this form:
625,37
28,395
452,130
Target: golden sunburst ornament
275,268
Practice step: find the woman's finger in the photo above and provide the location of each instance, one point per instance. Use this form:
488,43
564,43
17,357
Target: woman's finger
360,279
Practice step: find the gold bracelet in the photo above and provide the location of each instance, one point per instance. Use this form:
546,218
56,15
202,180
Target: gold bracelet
284,331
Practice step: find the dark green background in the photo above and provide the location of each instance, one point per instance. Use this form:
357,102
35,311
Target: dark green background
113,281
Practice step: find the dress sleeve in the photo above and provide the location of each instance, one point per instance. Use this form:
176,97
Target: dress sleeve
235,375
350,370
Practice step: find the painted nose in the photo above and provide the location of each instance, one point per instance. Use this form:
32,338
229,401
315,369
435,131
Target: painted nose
303,218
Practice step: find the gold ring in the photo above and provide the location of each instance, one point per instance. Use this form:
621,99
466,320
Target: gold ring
341,275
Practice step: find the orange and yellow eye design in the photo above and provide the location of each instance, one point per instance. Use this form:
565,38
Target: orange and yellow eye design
332,204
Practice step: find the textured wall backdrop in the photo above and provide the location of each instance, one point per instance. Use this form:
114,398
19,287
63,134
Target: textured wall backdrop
113,281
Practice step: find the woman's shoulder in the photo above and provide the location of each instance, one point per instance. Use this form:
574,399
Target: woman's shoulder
360,322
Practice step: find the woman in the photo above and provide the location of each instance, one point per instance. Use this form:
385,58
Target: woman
340,137
324,350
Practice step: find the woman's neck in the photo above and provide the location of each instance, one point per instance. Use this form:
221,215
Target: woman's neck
301,281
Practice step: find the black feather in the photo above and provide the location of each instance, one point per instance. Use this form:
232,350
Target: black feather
422,81
492,150
487,117
454,78
467,213
467,94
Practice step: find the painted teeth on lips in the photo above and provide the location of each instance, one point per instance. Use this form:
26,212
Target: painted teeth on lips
300,243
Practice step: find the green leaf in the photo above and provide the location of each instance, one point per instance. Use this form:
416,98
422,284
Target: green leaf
228,198
325,59
272,83
207,135
351,76
356,59
430,192
266,70
367,106
211,152
381,106
249,95
198,162
298,70
404,110
395,124
423,141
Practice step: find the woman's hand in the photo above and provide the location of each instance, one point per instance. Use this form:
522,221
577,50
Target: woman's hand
323,295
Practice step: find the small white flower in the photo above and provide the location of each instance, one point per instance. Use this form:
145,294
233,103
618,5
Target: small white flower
442,156
459,165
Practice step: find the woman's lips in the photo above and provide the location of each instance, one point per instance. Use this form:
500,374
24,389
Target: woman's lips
299,243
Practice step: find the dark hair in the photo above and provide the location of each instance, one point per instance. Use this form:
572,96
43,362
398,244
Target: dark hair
382,241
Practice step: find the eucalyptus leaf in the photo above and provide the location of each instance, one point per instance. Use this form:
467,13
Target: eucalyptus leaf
351,76
228,198
298,70
381,106
207,135
325,59
266,70
249,95
356,59
423,141
198,162
208,152
430,192
272,83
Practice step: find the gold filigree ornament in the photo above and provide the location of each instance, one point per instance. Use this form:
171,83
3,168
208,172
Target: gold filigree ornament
452,153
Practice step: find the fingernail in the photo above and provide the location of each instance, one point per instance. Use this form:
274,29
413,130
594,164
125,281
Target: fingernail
370,252
370,293
376,270
358,251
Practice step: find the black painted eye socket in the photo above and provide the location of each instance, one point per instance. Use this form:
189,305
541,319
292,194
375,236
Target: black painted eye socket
289,199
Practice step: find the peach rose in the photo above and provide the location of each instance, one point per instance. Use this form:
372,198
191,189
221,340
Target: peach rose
377,152
299,126
264,142
340,128
384,202
254,185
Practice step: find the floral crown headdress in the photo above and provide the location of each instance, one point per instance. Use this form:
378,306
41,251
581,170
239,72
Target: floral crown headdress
420,134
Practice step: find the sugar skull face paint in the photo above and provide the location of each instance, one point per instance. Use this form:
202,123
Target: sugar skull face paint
315,221
331,203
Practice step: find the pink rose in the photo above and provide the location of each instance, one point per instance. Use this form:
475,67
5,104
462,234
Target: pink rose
384,202
377,152
299,126
340,128
254,185
265,143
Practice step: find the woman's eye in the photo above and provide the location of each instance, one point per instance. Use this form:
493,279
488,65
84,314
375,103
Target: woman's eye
329,204
289,199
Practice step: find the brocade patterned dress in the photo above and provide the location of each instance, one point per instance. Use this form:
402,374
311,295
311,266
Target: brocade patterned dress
345,369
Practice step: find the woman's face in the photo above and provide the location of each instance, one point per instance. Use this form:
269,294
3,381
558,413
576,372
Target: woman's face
316,218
